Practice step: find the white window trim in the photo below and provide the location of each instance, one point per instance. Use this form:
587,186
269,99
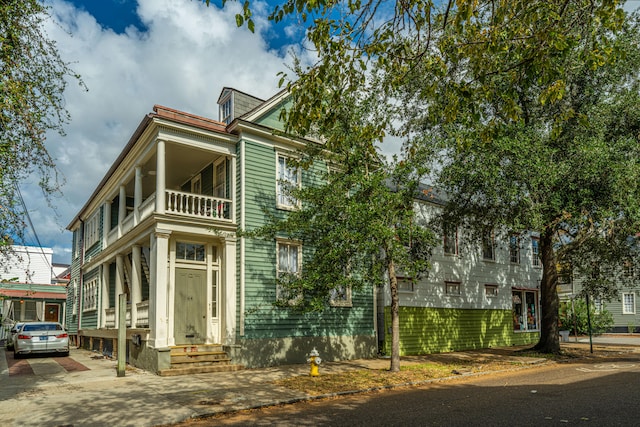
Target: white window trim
220,186
90,295
456,249
196,184
514,250
191,261
345,302
535,256
226,116
92,230
633,303
523,321
280,184
284,242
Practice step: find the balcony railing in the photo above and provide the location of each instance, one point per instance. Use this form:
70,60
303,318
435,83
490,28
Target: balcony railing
197,205
143,314
110,317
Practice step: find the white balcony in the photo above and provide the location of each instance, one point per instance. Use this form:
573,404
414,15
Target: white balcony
198,206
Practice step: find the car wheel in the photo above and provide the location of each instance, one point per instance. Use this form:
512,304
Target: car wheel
16,355
65,354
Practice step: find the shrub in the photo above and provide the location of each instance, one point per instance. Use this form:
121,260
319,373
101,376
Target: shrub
574,315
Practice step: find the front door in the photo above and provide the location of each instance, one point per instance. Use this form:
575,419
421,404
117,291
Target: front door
190,306
51,312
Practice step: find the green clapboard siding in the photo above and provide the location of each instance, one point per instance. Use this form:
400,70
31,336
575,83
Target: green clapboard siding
437,330
262,319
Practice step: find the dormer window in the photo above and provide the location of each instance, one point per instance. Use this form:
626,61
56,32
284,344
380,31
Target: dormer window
226,111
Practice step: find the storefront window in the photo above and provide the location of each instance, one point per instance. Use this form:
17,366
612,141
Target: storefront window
525,310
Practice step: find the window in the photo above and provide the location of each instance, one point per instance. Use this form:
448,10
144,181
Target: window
564,273
627,269
226,111
30,312
488,246
598,305
92,230
74,297
525,310
288,265
452,288
491,291
190,252
535,251
196,184
628,303
89,295
214,295
220,185
288,178
77,242
405,284
450,240
341,296
514,249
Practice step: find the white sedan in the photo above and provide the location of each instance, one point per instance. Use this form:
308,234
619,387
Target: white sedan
41,337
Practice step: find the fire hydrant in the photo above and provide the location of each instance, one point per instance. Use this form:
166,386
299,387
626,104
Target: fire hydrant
315,361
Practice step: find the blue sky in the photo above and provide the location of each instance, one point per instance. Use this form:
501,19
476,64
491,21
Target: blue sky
133,54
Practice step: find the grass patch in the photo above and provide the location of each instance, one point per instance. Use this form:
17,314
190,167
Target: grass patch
361,379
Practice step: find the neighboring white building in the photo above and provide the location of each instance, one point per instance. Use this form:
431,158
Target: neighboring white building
27,264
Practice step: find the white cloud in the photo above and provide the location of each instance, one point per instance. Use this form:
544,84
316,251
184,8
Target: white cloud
182,61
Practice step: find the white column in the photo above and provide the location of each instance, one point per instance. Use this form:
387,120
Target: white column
160,177
119,282
158,290
104,295
122,209
228,294
136,285
137,195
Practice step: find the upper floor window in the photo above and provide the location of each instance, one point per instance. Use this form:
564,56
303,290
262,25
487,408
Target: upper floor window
535,251
77,242
488,246
190,252
450,239
627,269
288,177
92,230
220,184
226,111
514,249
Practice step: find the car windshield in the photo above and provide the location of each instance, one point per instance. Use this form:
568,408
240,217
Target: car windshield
42,327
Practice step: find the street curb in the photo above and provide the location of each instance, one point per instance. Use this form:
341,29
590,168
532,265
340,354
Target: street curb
542,362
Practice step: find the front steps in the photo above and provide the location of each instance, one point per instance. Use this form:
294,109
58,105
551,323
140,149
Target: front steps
198,359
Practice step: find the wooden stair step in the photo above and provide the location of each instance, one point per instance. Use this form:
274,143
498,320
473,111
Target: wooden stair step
199,370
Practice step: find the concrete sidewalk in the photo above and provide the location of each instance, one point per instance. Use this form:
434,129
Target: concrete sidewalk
54,396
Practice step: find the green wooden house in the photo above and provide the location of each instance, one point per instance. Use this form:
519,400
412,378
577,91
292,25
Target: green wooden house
161,228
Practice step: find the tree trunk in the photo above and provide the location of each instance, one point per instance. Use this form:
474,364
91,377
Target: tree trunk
395,318
549,339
